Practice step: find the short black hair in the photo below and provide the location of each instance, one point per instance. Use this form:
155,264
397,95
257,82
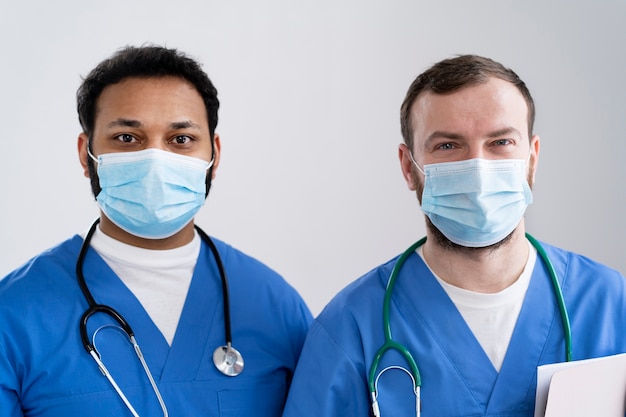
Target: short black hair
144,61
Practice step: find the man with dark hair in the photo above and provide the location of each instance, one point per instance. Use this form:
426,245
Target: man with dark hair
145,314
458,324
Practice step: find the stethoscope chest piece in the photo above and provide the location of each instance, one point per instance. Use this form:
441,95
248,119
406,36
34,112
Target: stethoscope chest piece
228,360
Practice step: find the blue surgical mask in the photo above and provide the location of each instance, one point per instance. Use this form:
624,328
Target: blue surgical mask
476,202
151,193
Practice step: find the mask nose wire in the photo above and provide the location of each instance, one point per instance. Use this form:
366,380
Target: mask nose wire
526,163
96,159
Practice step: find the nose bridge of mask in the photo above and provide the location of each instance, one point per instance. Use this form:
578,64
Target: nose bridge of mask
422,170
474,175
160,171
151,154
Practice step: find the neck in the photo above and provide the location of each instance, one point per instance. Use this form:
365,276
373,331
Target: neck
484,270
181,238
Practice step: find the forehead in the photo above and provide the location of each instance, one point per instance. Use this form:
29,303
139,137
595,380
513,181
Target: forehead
137,97
490,105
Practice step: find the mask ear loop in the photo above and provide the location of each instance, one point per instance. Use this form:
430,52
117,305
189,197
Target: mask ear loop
92,155
93,170
415,163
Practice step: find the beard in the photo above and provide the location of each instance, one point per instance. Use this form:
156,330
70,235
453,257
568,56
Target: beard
445,243
442,240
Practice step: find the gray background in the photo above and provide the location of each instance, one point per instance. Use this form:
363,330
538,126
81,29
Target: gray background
309,180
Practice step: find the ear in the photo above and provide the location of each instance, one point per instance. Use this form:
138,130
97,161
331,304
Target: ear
217,151
535,146
83,156
406,164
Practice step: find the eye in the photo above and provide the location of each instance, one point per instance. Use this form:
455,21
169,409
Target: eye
126,138
445,146
181,139
502,142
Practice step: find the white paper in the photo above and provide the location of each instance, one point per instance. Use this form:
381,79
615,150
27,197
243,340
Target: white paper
592,387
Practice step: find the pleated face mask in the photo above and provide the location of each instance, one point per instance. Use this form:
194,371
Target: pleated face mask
151,193
476,202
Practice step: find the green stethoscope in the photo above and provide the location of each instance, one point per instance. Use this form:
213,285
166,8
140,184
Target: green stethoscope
414,372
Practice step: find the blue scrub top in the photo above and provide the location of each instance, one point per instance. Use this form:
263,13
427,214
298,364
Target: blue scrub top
458,378
45,371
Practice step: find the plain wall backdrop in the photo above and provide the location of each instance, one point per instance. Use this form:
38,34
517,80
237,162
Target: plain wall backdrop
309,180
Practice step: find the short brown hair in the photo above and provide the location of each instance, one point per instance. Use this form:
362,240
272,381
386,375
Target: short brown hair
454,74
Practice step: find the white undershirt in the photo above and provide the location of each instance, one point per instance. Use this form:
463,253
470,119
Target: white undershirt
492,317
159,279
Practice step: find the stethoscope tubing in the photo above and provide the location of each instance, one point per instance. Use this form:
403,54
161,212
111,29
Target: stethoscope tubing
390,344
226,359
94,307
225,291
558,293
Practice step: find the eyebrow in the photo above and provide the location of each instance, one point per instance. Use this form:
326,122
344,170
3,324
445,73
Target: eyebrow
121,122
449,135
503,132
186,124
124,123
439,134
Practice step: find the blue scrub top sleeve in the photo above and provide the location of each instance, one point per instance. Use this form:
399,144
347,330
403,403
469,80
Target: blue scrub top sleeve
9,401
326,382
302,320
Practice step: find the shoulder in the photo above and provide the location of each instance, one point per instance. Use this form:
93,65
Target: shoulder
361,292
44,271
263,302
340,332
574,266
585,278
250,279
40,293
240,266
357,307
238,260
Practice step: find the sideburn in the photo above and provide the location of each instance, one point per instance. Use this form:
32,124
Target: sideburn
209,176
419,185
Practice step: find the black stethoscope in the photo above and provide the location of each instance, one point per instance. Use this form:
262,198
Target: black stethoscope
226,358
414,373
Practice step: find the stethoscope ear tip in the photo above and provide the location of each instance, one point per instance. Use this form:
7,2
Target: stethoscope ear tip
228,360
